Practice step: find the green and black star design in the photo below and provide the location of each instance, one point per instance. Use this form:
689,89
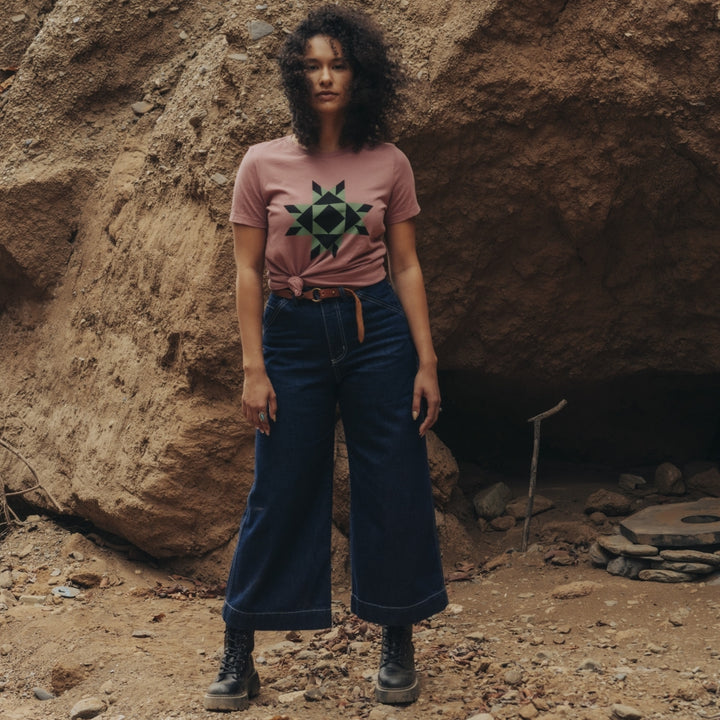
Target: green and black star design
327,219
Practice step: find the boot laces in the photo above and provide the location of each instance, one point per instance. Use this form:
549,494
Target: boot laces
237,652
394,641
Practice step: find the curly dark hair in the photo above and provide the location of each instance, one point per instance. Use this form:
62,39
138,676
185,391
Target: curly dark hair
377,76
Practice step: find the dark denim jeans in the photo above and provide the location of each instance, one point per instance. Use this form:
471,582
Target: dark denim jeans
280,574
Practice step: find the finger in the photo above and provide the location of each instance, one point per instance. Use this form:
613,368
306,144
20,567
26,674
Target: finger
272,407
263,422
433,412
416,402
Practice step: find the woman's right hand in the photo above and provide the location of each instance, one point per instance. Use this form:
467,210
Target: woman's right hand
259,402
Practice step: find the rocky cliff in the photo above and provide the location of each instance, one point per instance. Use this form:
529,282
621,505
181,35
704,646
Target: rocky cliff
566,158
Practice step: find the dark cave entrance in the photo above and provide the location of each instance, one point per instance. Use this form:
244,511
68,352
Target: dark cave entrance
624,423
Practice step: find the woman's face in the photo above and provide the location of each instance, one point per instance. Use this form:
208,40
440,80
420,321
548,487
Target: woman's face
329,75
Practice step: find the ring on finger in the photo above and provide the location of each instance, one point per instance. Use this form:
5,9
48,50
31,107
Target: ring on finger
261,417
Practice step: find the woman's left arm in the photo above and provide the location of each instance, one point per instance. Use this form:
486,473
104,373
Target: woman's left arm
408,282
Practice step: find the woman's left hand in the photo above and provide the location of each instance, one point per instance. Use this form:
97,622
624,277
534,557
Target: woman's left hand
426,386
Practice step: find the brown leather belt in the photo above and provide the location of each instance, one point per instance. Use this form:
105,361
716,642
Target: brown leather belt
319,294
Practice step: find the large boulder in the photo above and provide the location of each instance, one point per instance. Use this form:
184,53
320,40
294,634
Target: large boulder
566,162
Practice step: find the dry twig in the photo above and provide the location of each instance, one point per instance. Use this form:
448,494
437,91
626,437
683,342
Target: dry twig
6,511
535,420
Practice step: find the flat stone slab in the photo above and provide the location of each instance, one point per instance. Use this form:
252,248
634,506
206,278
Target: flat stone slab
618,545
667,576
675,524
685,567
695,556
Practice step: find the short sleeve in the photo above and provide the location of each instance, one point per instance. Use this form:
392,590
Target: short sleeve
403,203
248,203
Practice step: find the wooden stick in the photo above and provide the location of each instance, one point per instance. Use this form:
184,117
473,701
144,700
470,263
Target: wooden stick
535,420
17,454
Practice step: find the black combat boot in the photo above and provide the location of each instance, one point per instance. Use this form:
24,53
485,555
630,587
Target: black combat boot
397,682
237,680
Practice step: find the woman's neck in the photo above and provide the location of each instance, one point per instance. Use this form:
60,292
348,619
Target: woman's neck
330,133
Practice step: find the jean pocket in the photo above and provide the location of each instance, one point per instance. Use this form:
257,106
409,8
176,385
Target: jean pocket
387,299
272,309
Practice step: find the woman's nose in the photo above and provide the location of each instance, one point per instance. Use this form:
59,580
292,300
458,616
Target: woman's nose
325,75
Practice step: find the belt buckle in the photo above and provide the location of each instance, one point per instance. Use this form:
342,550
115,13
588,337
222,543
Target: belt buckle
316,295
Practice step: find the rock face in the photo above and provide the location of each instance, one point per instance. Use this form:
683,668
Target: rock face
566,162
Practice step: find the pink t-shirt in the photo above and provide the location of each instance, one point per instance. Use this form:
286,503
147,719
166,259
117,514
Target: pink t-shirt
325,213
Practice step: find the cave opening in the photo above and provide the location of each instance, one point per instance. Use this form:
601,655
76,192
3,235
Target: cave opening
624,424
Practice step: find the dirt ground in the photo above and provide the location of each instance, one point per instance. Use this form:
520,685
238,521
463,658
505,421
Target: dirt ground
522,638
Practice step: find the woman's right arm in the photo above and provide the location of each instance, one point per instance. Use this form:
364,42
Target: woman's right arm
258,394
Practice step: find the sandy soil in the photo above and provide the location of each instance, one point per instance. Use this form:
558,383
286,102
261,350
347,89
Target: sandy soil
514,643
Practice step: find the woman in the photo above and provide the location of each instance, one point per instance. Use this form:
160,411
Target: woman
313,209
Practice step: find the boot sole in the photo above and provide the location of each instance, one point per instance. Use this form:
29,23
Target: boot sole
228,703
398,696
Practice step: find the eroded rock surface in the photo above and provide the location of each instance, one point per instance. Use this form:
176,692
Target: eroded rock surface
566,159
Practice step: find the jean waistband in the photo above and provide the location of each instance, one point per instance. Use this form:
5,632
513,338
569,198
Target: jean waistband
318,294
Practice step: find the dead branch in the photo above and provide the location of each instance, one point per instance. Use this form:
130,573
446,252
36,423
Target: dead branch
535,420
37,486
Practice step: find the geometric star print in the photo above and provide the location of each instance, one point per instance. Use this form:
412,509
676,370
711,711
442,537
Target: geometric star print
327,219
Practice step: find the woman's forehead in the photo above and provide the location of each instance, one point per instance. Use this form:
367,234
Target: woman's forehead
319,45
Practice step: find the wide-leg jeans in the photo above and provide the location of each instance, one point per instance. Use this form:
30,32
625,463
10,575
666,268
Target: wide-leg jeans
280,574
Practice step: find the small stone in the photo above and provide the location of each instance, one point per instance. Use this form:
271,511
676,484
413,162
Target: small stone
625,712
528,712
598,556
107,687
491,502
379,713
313,694
291,697
669,479
219,179
627,567
518,508
42,694
502,524
139,108
706,481
6,579
454,608
631,482
64,591
481,716
513,677
5,649
32,599
85,579
259,29
590,664
87,708
360,647
241,57
142,634
25,551
581,588
608,502
20,17
281,648
183,35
